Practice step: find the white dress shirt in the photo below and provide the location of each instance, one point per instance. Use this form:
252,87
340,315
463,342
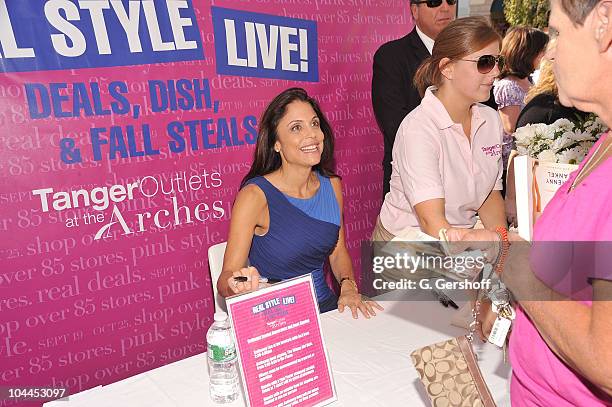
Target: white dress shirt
429,43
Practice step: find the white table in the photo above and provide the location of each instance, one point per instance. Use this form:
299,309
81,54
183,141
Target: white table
370,362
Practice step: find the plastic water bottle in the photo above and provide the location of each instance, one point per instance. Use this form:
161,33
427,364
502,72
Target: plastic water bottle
222,361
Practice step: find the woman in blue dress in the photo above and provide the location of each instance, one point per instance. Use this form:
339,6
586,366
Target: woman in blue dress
287,216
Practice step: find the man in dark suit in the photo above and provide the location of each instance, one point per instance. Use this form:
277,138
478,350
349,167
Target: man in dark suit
396,62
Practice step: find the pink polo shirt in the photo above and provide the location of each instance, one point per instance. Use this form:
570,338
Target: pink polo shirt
432,158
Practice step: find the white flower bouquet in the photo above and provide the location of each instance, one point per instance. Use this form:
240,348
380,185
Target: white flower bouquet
563,142
548,154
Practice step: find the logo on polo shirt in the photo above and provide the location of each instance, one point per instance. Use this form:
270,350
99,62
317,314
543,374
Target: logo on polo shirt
493,151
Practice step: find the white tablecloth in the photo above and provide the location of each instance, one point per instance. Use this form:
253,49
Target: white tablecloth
370,361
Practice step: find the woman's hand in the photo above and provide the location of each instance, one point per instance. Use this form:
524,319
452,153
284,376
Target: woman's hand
486,319
472,235
510,206
510,200
483,239
350,297
456,234
251,283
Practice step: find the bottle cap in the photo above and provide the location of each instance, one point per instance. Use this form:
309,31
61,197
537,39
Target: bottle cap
220,316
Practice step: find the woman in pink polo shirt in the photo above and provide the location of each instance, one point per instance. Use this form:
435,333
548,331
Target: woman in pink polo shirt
447,166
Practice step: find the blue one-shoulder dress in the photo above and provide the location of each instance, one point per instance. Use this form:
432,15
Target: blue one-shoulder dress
301,235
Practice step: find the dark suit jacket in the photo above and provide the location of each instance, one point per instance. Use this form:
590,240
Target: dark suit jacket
393,93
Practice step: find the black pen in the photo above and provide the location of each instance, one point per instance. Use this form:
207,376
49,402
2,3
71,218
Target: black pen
453,303
445,299
448,300
242,279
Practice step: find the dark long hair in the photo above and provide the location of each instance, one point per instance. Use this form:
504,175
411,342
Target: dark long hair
266,160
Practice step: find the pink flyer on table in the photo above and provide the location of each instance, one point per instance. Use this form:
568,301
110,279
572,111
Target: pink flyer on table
280,346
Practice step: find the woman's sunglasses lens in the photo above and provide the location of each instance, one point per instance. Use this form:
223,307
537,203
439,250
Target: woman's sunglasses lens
486,63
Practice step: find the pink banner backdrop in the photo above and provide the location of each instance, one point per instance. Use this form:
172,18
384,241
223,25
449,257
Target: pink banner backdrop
122,150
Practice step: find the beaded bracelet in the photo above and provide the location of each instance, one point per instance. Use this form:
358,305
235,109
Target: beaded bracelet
505,248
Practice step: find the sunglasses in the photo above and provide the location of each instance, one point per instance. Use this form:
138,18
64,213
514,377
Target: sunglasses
434,3
486,63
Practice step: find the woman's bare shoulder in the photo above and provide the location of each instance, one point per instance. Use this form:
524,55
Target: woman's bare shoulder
250,197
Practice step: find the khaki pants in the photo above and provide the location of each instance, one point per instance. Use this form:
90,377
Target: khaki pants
381,235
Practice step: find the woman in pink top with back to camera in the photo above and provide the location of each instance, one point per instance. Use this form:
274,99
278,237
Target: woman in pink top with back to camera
561,342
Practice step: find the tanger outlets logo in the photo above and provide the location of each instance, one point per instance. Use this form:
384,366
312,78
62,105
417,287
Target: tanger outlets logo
170,187
65,34
265,46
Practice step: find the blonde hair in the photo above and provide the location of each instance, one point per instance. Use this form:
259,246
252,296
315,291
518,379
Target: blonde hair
546,82
461,37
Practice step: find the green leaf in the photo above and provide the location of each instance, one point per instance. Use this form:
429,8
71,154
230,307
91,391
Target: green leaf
531,13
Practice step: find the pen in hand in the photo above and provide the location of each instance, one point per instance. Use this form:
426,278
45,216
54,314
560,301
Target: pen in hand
242,279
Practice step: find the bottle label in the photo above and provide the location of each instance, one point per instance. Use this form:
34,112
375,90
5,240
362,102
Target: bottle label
221,353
